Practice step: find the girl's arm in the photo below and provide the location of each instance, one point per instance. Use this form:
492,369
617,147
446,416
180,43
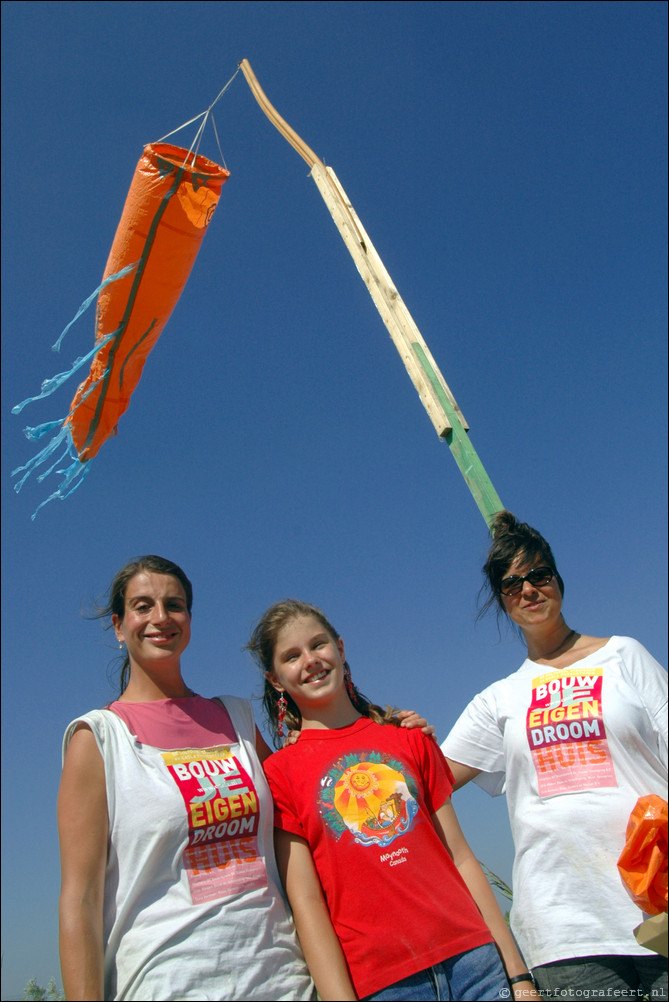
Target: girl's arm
320,945
83,830
450,833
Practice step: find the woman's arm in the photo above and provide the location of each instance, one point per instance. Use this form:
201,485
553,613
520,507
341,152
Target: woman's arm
410,719
83,830
462,774
262,748
320,945
450,833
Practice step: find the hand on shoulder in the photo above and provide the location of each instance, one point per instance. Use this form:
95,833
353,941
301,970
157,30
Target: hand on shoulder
411,719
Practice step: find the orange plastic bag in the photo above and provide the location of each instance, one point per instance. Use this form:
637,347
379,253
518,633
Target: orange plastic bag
643,861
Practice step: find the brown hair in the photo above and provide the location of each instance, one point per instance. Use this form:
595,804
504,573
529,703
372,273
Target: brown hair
115,604
261,647
513,539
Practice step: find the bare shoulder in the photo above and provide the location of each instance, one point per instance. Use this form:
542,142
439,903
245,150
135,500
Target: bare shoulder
83,768
83,822
81,743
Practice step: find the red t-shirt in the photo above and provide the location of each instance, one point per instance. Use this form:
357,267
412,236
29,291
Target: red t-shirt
362,797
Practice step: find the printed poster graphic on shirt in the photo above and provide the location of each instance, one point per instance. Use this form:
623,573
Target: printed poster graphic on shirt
565,731
369,795
221,857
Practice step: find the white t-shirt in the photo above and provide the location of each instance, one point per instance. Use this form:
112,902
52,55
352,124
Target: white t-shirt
573,749
193,905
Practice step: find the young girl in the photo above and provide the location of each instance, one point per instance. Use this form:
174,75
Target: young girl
388,899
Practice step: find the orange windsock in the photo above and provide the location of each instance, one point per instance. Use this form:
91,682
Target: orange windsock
172,198
170,203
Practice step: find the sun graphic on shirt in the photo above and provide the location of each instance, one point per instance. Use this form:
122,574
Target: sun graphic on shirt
364,791
360,782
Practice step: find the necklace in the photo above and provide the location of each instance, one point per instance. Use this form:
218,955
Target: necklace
572,633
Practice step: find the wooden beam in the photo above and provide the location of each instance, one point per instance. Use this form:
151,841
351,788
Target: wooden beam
387,299
275,118
432,388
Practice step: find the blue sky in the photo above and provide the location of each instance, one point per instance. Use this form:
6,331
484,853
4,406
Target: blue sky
508,161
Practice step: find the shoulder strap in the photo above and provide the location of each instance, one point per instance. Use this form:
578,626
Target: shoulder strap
241,715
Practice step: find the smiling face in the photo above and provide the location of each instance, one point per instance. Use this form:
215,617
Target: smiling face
534,605
308,664
156,623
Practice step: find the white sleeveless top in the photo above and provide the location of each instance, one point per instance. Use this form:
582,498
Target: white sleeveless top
193,905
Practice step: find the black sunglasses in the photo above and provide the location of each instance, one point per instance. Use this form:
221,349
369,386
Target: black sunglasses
537,576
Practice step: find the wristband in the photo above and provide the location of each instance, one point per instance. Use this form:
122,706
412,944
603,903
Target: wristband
521,977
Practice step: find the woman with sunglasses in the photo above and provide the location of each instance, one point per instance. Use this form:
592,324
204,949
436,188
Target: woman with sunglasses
573,738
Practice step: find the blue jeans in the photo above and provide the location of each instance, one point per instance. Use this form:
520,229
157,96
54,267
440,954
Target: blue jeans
474,976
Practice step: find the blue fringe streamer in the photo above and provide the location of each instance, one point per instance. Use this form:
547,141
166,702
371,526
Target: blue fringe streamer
74,474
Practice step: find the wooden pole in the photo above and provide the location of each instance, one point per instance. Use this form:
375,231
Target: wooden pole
432,388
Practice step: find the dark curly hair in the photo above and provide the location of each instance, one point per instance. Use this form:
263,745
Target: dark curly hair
512,539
